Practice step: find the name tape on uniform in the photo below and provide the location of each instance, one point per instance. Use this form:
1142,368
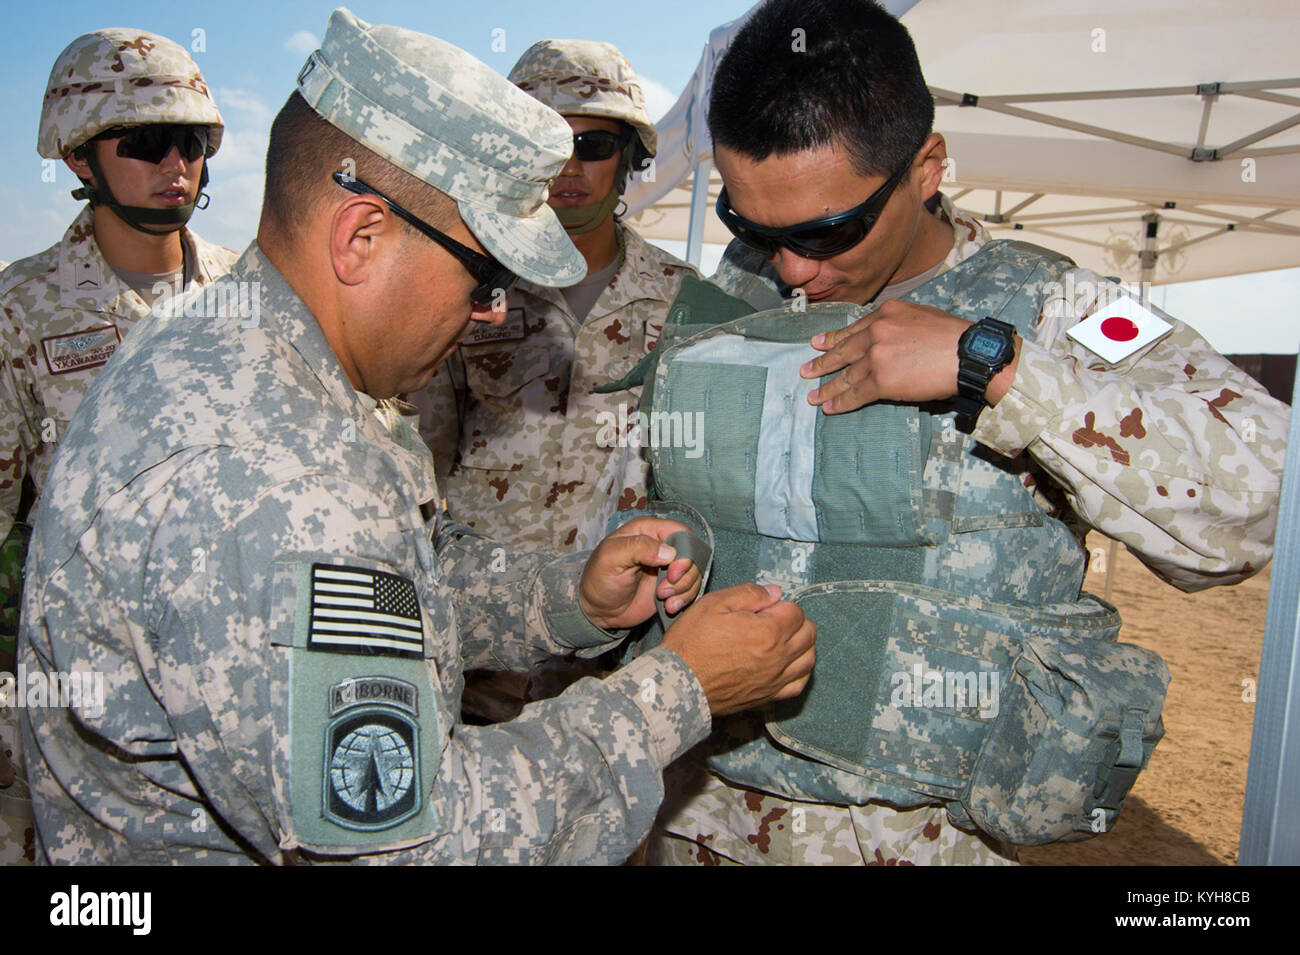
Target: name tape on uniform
511,330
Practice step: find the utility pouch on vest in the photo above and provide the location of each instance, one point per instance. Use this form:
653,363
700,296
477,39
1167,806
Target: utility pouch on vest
1080,719
990,705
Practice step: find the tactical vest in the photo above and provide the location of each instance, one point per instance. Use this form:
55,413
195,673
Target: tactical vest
958,661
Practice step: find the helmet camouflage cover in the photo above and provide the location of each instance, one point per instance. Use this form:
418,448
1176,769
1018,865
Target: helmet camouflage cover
122,77
586,78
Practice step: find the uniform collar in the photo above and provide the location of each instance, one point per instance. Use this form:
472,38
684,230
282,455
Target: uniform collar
286,316
88,283
640,264
640,271
969,235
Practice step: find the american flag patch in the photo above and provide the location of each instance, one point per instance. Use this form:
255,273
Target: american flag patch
354,610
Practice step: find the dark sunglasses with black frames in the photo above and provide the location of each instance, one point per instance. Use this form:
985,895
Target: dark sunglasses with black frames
489,273
598,144
153,143
817,238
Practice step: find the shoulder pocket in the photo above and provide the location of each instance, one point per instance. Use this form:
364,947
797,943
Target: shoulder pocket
363,716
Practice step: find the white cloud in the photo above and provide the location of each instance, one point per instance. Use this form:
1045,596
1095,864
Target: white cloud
659,99
303,43
243,144
250,107
44,208
237,169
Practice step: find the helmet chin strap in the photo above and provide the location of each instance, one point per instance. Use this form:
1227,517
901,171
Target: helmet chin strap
579,219
138,217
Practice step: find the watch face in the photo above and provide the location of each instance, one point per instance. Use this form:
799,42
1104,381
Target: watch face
985,346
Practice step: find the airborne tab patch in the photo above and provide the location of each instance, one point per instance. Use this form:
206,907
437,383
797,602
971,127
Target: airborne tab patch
355,610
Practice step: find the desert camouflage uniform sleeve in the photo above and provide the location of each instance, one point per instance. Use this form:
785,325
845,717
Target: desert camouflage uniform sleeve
18,415
576,779
1174,451
515,608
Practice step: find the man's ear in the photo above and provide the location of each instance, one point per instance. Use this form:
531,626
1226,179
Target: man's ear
932,158
77,163
360,227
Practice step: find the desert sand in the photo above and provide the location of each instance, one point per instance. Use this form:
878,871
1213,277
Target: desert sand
1185,808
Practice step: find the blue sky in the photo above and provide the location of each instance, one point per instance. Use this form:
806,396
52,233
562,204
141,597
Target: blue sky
250,54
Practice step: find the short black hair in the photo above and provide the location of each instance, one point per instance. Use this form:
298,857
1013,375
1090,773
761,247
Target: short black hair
303,152
805,74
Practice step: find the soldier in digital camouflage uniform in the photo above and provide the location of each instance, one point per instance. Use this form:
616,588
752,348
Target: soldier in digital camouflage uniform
247,545
526,451
67,308
1173,451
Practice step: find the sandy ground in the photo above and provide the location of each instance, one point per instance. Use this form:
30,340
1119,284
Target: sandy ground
1185,809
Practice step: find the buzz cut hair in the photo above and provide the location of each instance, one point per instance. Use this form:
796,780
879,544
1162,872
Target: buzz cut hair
304,151
806,74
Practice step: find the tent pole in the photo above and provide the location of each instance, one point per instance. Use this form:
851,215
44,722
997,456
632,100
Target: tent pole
1270,818
699,205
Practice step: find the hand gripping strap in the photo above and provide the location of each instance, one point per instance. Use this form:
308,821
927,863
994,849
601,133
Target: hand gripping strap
697,543
701,554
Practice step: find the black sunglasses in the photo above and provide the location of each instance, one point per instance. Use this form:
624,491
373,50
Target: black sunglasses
489,273
597,144
817,238
153,143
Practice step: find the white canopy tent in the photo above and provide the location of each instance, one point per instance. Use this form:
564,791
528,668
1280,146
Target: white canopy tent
1156,142
1106,133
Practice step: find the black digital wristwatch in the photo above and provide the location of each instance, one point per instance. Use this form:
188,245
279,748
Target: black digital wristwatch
984,349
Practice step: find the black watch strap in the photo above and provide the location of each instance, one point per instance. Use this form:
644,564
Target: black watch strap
974,373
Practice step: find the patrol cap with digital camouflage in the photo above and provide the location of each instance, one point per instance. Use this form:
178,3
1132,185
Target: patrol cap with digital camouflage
439,114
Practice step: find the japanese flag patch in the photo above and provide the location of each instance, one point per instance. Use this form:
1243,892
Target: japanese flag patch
1117,329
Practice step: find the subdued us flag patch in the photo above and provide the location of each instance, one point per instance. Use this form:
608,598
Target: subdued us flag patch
355,610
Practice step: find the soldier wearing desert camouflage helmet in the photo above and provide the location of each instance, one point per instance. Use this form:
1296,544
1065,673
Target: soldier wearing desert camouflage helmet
244,537
526,450
512,417
131,116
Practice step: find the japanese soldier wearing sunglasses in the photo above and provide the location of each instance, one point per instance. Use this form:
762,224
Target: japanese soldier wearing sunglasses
959,426
128,112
